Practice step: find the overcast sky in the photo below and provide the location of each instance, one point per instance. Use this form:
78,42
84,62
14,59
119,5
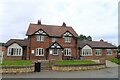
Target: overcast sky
97,18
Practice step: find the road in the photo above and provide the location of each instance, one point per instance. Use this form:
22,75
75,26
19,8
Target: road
102,73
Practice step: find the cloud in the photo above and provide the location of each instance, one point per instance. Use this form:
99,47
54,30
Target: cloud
89,17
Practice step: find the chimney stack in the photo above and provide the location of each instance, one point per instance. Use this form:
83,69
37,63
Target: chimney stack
39,22
101,40
64,24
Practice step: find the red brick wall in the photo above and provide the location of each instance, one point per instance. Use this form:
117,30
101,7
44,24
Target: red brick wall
14,57
56,57
37,44
104,52
47,41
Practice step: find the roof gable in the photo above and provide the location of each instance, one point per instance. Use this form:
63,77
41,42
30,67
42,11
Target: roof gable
68,33
41,32
21,42
55,45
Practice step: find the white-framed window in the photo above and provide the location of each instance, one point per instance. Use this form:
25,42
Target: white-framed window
55,51
86,52
54,39
98,52
14,52
109,52
67,39
67,52
39,52
40,38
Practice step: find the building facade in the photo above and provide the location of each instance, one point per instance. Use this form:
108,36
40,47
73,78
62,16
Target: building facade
96,49
53,42
48,42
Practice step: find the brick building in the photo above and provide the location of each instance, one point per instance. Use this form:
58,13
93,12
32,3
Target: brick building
48,42
96,49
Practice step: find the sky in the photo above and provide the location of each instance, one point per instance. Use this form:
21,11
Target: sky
97,18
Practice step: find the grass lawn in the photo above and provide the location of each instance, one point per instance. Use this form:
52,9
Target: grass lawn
70,62
16,62
115,60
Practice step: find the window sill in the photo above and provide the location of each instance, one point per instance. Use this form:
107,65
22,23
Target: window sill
87,55
98,55
40,41
55,54
39,55
14,55
109,54
67,55
68,42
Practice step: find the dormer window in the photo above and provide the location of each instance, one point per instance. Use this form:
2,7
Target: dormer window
40,38
67,39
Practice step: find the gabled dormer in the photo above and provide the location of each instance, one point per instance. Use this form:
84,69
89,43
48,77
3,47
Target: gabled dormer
68,34
55,45
40,34
67,37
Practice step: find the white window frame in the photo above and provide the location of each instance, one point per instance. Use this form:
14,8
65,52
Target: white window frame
108,51
67,52
54,39
40,38
39,52
53,52
14,52
67,39
86,53
98,52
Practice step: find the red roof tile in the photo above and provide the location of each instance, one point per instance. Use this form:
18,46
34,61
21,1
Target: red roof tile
96,44
21,42
51,30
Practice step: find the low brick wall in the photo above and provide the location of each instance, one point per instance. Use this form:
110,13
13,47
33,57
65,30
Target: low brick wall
16,69
78,67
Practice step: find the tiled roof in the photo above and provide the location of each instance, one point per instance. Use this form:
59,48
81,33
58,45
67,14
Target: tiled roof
96,44
21,42
51,30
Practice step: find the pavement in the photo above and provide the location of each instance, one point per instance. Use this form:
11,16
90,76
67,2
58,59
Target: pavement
111,64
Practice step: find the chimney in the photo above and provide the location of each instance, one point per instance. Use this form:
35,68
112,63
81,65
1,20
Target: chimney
101,40
64,24
39,22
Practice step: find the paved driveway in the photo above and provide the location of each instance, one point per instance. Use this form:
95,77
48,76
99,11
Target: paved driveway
103,73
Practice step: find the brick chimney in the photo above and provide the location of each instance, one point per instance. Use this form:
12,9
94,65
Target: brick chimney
64,24
39,22
101,40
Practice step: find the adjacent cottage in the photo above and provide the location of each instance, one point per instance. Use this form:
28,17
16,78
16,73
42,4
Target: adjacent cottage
16,49
96,49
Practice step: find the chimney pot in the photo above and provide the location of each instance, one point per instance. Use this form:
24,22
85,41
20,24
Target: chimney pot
39,22
101,40
64,24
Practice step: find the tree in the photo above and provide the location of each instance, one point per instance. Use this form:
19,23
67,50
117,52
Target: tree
89,38
83,37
